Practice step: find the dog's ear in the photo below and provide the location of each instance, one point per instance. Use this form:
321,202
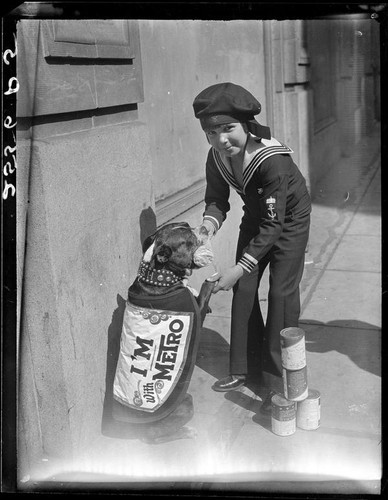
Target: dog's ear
147,256
148,242
163,253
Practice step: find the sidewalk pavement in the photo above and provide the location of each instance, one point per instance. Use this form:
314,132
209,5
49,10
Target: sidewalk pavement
235,449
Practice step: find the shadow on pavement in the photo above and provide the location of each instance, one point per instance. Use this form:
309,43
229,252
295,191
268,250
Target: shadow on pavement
251,404
213,353
360,341
213,358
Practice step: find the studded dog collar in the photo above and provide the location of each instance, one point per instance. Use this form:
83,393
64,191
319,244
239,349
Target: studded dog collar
156,277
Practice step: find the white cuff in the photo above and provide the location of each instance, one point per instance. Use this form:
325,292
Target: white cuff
247,262
213,221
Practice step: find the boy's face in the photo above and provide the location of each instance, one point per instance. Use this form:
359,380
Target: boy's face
229,138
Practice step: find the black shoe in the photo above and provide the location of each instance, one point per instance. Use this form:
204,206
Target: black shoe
266,406
229,383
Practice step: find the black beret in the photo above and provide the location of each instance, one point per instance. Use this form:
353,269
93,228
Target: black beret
226,99
226,102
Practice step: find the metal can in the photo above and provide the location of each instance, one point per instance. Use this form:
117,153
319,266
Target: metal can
308,413
295,384
293,351
283,416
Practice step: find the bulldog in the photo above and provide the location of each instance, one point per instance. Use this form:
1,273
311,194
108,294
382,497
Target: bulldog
160,335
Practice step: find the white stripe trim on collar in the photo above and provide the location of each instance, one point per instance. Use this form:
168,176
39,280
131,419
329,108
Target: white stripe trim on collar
272,148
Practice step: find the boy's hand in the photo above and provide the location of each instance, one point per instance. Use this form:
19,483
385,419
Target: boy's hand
228,278
205,231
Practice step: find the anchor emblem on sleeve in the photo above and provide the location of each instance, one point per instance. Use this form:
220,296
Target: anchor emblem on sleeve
271,211
271,207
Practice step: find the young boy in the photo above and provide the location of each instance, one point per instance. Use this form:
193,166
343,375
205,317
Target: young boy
274,230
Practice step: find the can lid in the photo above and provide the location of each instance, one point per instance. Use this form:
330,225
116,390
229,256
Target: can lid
278,400
291,335
313,394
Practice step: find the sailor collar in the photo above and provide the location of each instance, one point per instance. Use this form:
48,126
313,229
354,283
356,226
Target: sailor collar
255,153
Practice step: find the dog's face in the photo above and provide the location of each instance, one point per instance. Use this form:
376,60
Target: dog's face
172,247
170,255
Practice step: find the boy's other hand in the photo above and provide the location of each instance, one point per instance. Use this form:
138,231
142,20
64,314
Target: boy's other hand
228,278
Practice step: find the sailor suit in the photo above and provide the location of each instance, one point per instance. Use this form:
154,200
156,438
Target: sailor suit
273,231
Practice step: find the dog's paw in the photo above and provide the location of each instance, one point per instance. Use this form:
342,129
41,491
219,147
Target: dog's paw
193,290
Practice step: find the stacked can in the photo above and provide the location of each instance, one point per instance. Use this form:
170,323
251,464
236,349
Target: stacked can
293,355
308,413
283,416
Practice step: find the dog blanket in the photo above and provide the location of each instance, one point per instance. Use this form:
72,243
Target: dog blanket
159,344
